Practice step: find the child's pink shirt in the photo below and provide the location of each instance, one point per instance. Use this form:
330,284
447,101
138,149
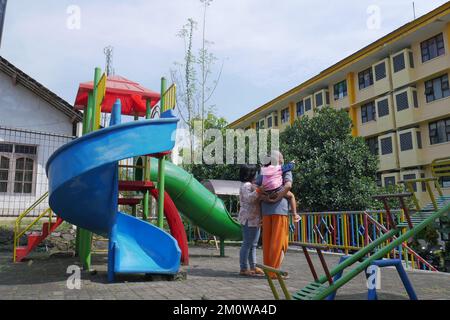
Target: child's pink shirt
272,177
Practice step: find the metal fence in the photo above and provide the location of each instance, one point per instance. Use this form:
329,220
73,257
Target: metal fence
23,156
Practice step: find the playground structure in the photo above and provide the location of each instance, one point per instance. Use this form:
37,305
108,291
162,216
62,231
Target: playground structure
85,186
392,238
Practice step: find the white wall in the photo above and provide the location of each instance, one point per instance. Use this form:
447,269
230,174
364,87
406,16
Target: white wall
24,111
21,108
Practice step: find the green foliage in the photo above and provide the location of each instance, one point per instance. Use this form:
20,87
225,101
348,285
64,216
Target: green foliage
334,170
213,171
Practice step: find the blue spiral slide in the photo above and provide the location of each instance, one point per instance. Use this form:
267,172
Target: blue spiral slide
83,188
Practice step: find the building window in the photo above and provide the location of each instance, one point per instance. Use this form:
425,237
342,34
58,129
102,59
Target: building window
275,120
406,142
386,145
308,104
365,78
389,181
437,88
411,59
411,177
17,168
402,101
432,48
257,126
383,108
445,182
4,174
380,71
399,62
368,112
439,131
261,124
340,90
415,100
23,179
419,139
319,99
372,143
269,122
300,108
285,115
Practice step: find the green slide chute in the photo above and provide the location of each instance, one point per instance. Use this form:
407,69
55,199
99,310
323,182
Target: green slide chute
197,203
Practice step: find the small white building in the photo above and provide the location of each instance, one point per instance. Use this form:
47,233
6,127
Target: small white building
34,122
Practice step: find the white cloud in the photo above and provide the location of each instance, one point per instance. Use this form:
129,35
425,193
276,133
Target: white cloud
268,46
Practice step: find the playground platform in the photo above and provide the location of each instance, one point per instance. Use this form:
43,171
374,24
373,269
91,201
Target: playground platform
208,277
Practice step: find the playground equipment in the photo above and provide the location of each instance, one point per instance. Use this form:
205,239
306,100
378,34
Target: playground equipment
84,184
374,252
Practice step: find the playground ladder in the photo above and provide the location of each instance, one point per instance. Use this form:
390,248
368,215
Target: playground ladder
34,238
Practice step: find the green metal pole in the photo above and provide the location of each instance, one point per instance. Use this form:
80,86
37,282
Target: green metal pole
85,129
147,175
161,166
222,247
85,236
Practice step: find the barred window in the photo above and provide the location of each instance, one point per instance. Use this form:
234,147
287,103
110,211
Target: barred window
17,168
300,108
308,104
380,71
402,101
319,99
285,115
372,143
406,141
399,62
365,78
411,177
433,47
23,180
437,88
439,131
383,108
4,174
386,145
340,90
368,112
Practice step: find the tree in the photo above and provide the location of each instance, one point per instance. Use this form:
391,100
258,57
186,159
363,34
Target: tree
334,170
195,76
217,170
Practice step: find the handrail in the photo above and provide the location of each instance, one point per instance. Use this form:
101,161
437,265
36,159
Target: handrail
18,233
404,245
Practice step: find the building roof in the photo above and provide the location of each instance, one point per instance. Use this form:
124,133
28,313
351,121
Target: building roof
132,95
37,88
359,55
223,187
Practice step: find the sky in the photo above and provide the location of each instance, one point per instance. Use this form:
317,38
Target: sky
266,47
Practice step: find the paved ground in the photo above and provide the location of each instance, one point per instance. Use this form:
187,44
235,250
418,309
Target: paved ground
208,277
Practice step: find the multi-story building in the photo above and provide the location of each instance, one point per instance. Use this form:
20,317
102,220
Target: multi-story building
396,91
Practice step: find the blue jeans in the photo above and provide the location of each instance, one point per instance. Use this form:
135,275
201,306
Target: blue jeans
248,248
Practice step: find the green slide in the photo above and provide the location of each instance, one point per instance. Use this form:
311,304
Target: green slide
197,203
